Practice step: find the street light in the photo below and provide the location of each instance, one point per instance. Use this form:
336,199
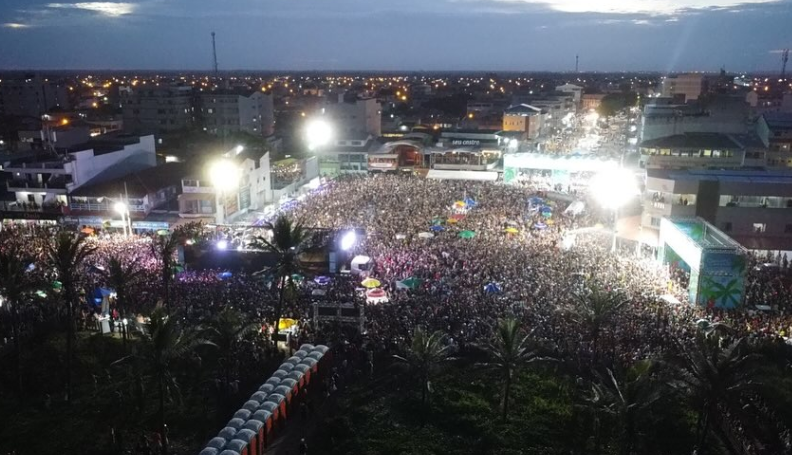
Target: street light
348,240
613,189
224,175
318,133
123,210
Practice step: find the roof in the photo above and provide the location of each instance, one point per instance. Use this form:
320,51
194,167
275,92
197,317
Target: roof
715,141
462,175
106,143
523,109
138,184
778,120
759,176
704,234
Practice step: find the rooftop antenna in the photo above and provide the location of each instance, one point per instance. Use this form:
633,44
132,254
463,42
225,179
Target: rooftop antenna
577,61
784,60
214,53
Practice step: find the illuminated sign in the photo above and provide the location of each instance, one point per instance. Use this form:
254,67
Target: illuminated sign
465,142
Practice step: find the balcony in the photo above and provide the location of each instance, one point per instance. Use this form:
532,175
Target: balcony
58,186
48,167
30,208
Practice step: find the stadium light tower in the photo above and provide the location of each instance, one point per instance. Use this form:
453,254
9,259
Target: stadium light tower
224,175
318,134
614,189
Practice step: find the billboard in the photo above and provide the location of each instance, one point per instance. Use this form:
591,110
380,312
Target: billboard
721,279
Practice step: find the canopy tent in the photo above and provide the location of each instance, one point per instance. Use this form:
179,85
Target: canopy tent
511,230
425,235
470,203
437,228
535,201
376,296
322,280
400,236
370,283
286,323
452,221
467,234
540,226
492,288
437,220
575,208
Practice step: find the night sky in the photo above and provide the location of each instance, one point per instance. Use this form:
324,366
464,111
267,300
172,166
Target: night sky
432,35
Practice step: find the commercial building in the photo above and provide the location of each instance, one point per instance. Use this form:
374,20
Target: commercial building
775,132
32,96
352,117
555,106
157,109
701,150
524,119
224,112
685,86
142,192
663,117
752,206
45,180
575,90
589,101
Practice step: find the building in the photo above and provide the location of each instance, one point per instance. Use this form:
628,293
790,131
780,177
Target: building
555,106
701,150
775,132
142,192
752,206
575,90
346,155
223,112
32,96
60,136
768,102
666,117
157,109
353,117
591,101
686,86
199,198
525,119
46,179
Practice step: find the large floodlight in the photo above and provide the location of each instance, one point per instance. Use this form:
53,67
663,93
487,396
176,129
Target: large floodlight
348,240
224,174
592,117
614,188
222,245
318,133
120,208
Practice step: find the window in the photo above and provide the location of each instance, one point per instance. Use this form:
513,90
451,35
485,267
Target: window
655,222
210,110
759,228
727,227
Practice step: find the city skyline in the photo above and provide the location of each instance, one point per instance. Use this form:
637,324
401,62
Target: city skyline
410,35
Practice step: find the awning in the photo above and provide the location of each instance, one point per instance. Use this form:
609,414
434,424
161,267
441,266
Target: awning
463,175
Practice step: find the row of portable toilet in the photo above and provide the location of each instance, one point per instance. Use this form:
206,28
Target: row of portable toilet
247,432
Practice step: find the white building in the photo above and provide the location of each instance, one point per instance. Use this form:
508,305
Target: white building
575,90
46,180
663,117
351,118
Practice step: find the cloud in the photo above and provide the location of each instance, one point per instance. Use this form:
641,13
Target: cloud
109,9
654,7
15,25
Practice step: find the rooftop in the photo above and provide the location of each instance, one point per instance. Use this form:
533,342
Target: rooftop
778,120
759,176
704,234
715,141
138,184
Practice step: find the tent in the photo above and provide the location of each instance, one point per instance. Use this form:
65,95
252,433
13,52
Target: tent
575,208
470,203
400,236
425,235
452,221
492,288
511,230
535,200
540,226
437,228
467,234
370,283
376,296
322,280
459,204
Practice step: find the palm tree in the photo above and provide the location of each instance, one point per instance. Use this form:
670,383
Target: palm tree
595,310
426,352
718,381
626,400
163,342
508,351
226,330
288,241
66,255
15,283
121,277
164,248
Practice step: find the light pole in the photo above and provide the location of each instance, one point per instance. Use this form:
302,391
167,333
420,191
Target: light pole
123,210
224,175
614,188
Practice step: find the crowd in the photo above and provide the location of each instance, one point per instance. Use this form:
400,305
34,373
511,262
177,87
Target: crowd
516,262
